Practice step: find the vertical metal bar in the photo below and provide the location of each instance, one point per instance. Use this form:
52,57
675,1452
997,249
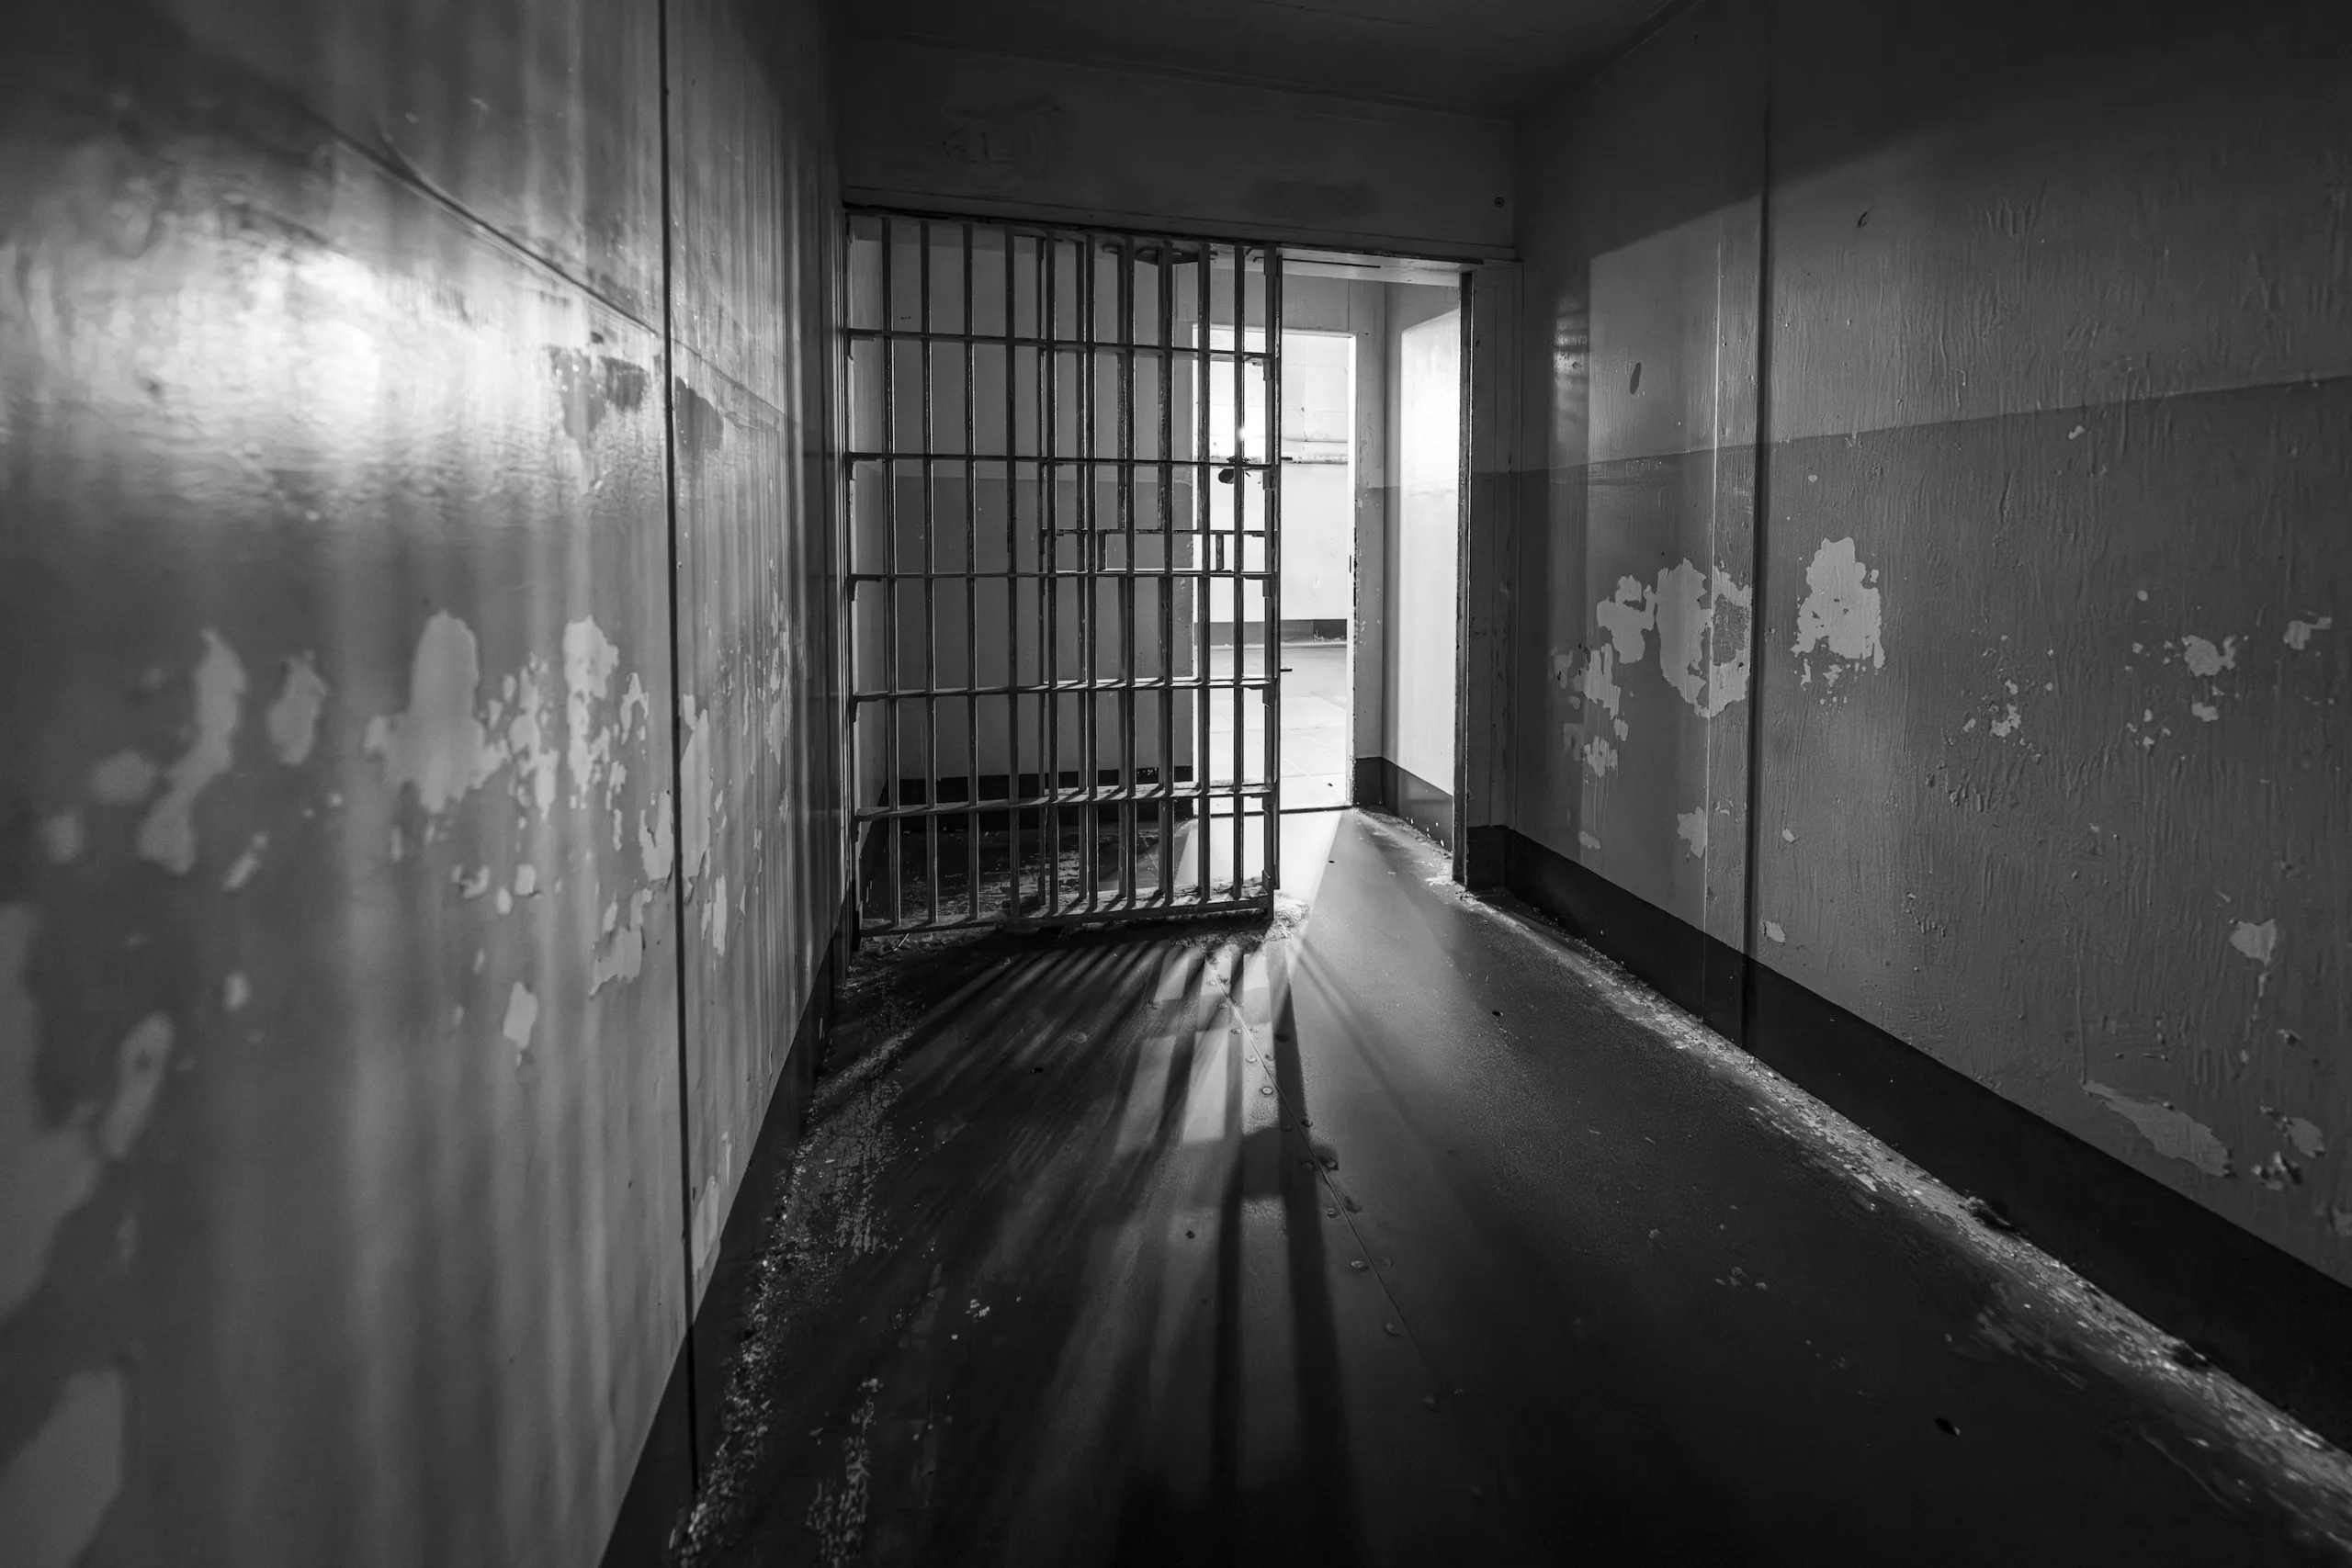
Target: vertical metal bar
889,822
971,605
1273,567
1049,584
1088,564
1166,807
1013,791
1127,698
1240,525
1205,518
929,595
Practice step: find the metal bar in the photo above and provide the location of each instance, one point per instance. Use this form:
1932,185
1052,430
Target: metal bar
1011,594
1167,872
1124,583
1248,574
1050,764
1240,513
972,606
893,851
1071,688
1089,543
1108,915
1098,460
930,589
1106,794
1204,508
867,333
1273,565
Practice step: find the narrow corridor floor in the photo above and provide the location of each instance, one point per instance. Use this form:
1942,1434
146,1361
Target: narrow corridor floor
1402,1231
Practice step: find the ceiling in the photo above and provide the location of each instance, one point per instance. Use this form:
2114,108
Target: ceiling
1491,57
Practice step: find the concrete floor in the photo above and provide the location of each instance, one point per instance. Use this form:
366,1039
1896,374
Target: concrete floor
1317,762
1404,1232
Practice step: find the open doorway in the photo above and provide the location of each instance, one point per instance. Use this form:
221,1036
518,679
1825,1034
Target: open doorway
1372,393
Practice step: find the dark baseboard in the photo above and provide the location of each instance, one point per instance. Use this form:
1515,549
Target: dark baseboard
686,1423
1486,857
1384,787
2267,1318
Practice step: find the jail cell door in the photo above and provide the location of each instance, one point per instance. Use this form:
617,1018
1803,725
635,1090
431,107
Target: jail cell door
1064,573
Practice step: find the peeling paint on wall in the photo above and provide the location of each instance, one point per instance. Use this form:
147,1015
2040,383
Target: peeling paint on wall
522,1017
2171,1132
1691,828
2203,658
293,719
168,835
1699,620
438,745
139,1074
2299,633
1839,624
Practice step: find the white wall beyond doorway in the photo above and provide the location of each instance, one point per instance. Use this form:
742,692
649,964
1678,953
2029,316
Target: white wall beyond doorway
1422,681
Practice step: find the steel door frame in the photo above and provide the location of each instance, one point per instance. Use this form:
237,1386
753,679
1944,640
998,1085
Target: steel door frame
1066,601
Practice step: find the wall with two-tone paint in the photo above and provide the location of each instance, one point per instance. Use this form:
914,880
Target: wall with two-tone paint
2044,321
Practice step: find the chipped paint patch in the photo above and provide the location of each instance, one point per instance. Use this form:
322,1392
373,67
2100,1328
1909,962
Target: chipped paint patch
589,661
124,779
235,991
1625,617
2205,712
1598,755
655,846
61,1484
2300,1131
694,792
2203,658
1691,828
2172,1133
61,837
246,864
522,1017
292,721
715,916
438,747
1840,622
1564,668
2299,633
1772,931
1588,839
1698,621
168,835
2009,723
2257,940
623,956
140,1061
527,741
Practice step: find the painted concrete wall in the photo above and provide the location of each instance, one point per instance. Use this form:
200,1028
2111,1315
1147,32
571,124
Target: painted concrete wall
1428,454
929,129
1319,477
342,1216
2050,367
